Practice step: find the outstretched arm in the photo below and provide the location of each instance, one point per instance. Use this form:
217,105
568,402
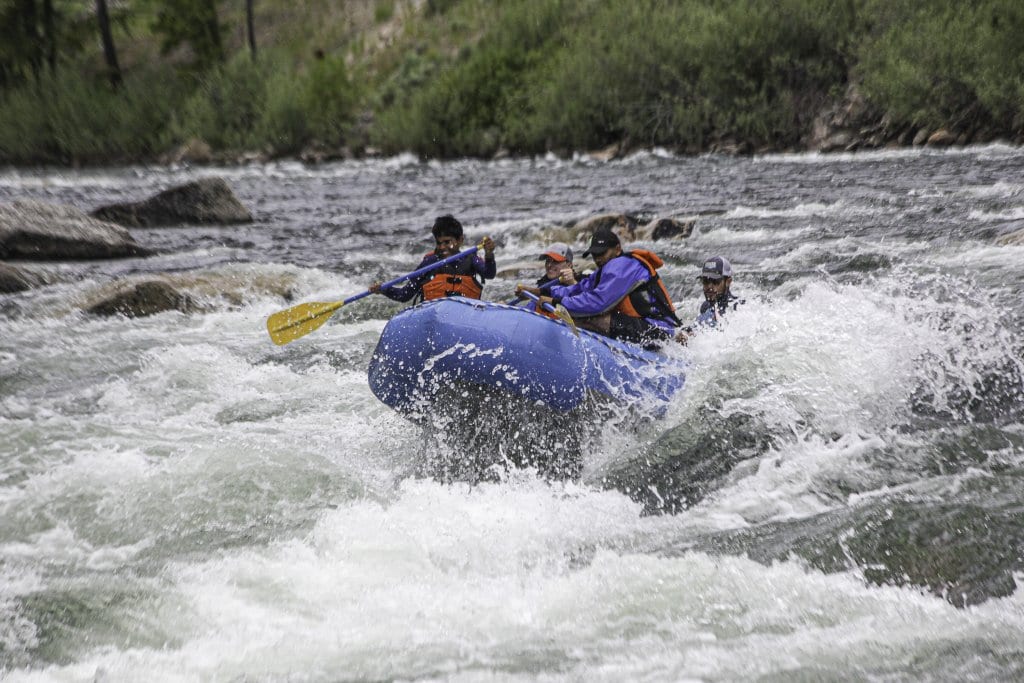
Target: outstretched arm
618,278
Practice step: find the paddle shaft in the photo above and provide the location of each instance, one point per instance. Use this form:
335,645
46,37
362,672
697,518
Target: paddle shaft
416,273
298,321
546,306
541,285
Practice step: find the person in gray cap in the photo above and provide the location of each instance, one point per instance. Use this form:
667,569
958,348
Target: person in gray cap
716,279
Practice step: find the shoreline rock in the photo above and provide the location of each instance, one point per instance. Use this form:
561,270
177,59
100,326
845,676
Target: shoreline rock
204,201
14,279
136,299
36,231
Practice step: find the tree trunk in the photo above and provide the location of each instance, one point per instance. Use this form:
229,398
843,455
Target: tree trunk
50,31
250,26
109,51
31,34
213,31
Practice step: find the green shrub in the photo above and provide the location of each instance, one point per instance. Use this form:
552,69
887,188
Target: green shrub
581,74
68,118
467,77
461,110
383,10
284,122
269,105
671,73
226,108
329,98
939,63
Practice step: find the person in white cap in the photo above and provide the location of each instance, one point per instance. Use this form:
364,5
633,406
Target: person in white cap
558,268
623,299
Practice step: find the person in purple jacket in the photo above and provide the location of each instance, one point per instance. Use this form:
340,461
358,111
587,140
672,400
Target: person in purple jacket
623,299
465,277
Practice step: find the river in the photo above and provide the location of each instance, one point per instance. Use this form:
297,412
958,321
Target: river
836,494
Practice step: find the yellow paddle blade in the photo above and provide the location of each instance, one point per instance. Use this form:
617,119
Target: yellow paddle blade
564,316
298,321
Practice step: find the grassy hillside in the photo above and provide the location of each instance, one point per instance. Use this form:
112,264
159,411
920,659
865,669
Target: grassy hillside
449,78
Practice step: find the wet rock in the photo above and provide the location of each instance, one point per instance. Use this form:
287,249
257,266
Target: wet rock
629,228
194,151
208,201
38,231
623,225
983,135
689,462
843,125
234,286
142,298
1012,236
964,553
609,153
941,138
13,279
921,137
835,142
670,228
731,147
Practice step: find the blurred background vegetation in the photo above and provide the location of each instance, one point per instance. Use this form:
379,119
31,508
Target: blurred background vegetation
105,81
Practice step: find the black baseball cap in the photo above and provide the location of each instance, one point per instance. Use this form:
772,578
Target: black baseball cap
603,240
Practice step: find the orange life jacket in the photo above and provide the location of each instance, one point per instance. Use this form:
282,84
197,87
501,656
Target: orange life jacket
445,284
639,304
454,279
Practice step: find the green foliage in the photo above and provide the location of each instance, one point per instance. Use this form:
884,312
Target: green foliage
68,119
227,107
461,110
579,74
29,42
939,64
191,22
265,104
470,77
329,98
383,10
439,6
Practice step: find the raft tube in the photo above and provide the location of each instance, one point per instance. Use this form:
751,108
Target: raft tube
507,350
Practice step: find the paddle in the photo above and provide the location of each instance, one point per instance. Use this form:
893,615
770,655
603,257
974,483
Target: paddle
558,310
513,302
298,321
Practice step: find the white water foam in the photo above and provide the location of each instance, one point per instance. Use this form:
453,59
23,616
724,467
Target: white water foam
518,581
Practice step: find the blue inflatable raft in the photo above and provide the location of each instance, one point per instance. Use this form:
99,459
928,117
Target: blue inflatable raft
427,350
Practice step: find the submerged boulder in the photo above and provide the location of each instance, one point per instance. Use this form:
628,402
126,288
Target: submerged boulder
629,228
142,298
13,279
845,124
669,228
1012,234
38,231
965,554
208,200
622,224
